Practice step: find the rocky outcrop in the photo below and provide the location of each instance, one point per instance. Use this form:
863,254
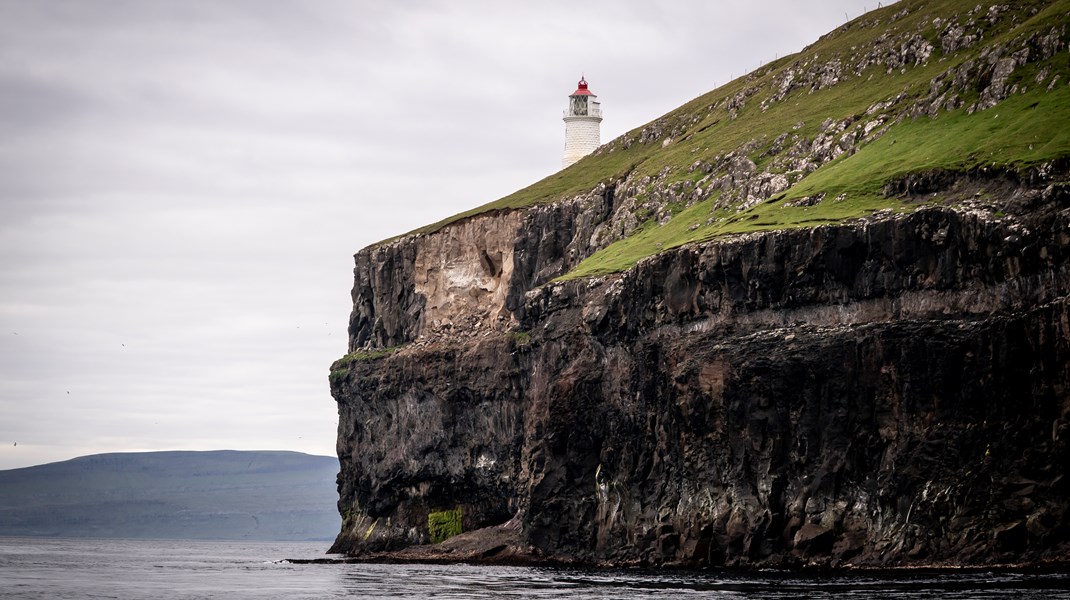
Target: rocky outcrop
892,391
418,286
888,390
871,395
469,279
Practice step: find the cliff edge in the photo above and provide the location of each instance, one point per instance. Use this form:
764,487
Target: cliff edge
816,317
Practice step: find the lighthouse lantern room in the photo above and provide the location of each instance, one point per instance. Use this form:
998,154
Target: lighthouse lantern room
582,124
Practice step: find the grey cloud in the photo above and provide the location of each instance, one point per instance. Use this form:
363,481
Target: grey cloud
28,104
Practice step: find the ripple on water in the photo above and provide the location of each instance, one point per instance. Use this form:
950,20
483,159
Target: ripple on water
164,570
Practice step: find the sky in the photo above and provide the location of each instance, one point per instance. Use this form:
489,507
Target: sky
183,183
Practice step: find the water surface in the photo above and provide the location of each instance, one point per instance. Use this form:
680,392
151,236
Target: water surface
84,568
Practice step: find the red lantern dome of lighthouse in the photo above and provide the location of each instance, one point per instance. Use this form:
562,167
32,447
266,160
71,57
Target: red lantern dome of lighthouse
581,89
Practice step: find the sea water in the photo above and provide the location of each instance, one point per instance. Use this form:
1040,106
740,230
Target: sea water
85,568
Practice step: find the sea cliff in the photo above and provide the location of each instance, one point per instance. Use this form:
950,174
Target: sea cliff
775,352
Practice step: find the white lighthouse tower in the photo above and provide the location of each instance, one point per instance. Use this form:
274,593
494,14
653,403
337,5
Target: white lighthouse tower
582,124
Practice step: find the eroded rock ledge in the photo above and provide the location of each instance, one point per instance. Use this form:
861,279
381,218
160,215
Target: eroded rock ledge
893,391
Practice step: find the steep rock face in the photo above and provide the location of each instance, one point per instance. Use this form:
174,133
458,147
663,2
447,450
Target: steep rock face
470,277
555,238
433,430
463,273
878,444
890,391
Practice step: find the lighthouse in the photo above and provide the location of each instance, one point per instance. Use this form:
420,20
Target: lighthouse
582,124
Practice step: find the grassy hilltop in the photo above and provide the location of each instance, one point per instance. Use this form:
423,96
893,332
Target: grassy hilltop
869,118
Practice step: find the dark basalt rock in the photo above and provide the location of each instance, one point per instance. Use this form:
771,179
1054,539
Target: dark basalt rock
892,391
889,392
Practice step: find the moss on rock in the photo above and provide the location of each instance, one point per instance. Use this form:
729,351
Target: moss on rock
444,524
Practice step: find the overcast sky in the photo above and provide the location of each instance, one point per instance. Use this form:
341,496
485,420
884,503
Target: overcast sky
183,184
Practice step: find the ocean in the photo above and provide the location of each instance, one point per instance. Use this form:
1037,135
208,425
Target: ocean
173,569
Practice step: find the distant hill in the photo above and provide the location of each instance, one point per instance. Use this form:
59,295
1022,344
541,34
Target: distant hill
222,494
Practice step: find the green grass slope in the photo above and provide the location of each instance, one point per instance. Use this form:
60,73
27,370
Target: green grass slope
921,86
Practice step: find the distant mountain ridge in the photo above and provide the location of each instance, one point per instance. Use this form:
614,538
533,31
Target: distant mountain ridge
221,494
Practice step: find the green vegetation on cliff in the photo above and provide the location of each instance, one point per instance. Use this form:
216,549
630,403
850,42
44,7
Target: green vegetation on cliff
830,133
444,524
340,367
